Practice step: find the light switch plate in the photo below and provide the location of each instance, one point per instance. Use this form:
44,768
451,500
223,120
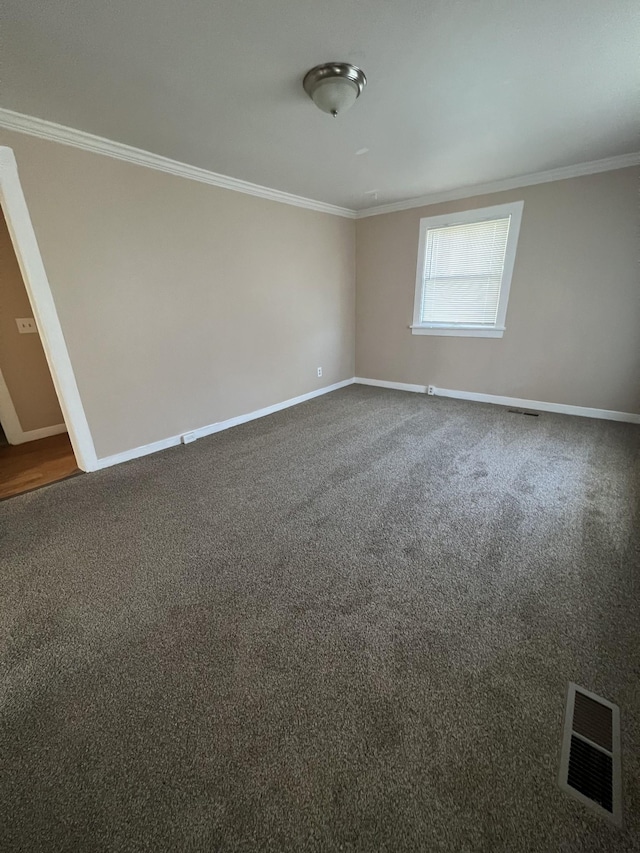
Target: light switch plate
26,325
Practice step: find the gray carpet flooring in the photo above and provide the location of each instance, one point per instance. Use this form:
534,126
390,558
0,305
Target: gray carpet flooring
348,626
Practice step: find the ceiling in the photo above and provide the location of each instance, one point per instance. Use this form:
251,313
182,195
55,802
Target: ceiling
459,92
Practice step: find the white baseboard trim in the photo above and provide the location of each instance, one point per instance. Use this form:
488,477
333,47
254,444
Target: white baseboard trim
518,402
201,432
539,405
35,434
397,386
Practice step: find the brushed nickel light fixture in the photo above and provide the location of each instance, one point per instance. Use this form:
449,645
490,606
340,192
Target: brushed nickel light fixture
334,86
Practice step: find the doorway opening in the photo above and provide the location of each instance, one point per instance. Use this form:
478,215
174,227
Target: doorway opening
34,444
44,433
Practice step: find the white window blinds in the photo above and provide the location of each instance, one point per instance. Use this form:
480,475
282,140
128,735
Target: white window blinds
463,273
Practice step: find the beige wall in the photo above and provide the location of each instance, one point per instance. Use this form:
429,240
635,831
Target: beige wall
573,321
22,360
184,304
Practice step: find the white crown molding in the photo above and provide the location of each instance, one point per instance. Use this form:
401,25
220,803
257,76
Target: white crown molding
43,129
119,151
623,161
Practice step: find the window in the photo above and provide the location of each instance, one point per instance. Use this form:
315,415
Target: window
465,263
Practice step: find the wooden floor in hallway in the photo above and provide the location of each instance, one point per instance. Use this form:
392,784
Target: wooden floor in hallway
24,467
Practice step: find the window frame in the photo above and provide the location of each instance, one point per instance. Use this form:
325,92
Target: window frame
464,217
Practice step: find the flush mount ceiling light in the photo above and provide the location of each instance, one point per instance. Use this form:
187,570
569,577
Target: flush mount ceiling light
334,86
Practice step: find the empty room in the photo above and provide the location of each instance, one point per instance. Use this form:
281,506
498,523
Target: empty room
320,426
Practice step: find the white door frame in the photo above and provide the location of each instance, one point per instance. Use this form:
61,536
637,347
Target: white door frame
38,290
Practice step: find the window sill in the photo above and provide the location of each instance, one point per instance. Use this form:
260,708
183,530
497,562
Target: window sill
459,331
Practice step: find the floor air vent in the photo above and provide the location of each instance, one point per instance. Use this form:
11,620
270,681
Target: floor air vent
590,761
521,412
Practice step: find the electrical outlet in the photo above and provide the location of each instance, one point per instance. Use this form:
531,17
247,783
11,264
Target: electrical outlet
319,371
26,325
431,389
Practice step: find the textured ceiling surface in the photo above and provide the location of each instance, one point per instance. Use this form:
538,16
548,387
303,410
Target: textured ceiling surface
459,92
